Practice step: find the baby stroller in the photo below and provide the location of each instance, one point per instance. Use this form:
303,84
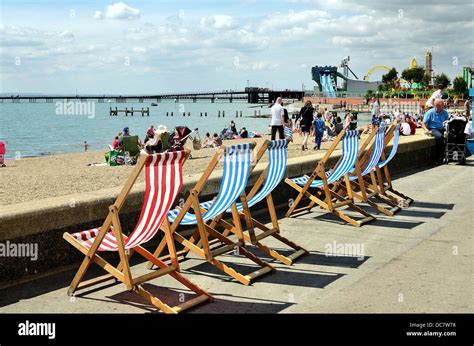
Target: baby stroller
181,135
455,140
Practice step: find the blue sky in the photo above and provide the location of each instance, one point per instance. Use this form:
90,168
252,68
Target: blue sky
160,46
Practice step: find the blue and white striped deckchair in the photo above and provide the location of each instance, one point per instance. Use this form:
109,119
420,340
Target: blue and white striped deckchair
268,180
345,165
237,161
363,183
384,189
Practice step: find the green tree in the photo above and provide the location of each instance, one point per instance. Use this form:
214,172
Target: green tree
390,77
414,74
459,85
442,79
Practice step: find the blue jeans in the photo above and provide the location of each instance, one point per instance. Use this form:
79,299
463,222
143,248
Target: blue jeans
438,135
317,140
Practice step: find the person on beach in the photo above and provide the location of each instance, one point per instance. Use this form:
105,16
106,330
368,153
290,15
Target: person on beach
318,131
375,111
277,113
150,133
115,143
326,114
412,124
244,133
438,94
433,125
347,120
306,115
288,127
216,141
207,142
85,145
405,129
159,142
125,133
353,123
233,128
467,108
338,126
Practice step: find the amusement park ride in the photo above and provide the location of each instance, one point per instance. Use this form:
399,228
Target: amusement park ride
326,77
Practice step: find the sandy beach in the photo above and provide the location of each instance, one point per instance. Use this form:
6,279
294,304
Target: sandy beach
38,178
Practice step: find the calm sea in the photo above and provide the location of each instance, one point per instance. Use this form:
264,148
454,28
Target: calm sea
35,129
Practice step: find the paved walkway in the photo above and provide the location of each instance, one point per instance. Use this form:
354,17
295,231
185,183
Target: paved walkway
419,261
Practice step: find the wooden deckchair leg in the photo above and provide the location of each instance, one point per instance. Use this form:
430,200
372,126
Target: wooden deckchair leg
170,242
87,261
201,227
238,225
272,211
247,217
121,248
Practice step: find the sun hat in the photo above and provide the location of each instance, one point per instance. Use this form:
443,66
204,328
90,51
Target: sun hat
160,130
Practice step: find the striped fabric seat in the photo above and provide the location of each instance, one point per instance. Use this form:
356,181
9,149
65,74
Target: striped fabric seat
164,180
237,160
277,157
393,152
350,145
376,152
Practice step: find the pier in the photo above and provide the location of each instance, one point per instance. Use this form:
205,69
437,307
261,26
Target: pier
251,95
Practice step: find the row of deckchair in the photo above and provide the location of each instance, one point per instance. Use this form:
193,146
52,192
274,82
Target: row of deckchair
359,174
219,223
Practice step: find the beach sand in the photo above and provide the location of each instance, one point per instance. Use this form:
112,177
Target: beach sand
37,178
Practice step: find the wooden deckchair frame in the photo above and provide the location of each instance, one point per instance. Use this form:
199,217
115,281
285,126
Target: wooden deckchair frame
386,189
199,242
325,195
122,272
250,236
365,187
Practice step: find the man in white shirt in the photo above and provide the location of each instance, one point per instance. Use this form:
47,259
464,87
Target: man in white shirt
277,119
468,131
438,94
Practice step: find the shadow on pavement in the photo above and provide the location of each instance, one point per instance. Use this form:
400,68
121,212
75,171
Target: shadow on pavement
421,204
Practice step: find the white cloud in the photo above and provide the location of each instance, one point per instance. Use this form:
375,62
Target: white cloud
121,10
219,22
66,35
98,15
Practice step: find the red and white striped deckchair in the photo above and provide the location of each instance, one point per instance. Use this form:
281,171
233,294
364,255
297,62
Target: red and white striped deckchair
164,180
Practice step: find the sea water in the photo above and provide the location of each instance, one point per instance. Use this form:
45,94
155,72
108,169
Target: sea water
35,129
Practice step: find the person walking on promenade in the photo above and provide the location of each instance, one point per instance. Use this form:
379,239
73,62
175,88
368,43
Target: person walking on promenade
433,125
319,126
375,111
306,115
277,119
467,108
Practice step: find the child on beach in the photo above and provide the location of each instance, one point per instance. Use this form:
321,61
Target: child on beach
207,142
85,145
318,130
287,127
115,142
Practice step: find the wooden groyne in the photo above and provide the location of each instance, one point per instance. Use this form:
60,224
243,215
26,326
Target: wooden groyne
131,111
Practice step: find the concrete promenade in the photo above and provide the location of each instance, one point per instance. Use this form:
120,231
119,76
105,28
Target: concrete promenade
421,260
